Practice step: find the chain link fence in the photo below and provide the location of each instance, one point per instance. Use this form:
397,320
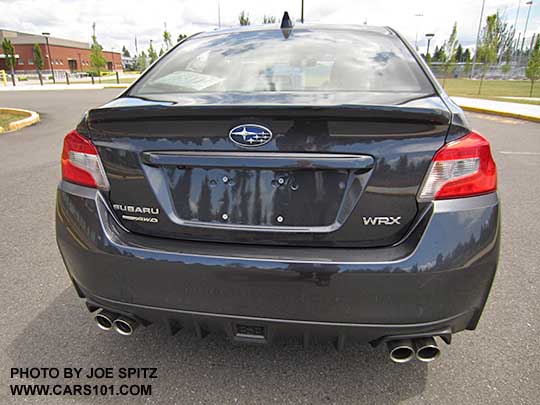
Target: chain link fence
512,71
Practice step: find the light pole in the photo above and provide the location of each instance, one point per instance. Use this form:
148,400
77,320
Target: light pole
302,13
429,38
46,35
416,37
516,44
517,15
478,38
529,3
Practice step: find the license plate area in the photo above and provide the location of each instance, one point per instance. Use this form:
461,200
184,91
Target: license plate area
257,197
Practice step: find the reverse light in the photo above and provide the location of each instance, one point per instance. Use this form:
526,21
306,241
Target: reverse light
81,163
462,168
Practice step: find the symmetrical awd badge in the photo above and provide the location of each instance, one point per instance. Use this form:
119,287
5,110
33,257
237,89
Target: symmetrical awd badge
250,135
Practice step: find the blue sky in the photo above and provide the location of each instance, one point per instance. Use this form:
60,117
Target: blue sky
119,21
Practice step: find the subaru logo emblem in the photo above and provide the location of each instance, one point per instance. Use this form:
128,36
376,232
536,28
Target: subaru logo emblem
250,135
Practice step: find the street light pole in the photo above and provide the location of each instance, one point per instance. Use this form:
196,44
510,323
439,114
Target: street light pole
517,15
529,3
302,13
46,35
516,44
429,38
478,38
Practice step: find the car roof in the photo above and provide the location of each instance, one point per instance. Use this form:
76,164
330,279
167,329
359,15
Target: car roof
275,27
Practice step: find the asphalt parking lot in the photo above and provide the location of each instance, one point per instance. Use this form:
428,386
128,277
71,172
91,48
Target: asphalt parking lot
44,324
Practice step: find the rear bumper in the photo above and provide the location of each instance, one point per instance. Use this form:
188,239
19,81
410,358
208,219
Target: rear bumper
437,279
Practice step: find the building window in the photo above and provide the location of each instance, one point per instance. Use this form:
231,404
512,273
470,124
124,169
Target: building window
20,61
30,61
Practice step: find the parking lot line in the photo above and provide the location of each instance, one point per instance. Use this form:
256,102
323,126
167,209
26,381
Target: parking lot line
505,152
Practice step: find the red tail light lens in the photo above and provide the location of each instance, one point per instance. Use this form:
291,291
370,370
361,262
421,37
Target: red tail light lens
462,168
81,163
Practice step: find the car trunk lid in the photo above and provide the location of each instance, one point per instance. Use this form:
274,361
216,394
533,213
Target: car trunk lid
333,174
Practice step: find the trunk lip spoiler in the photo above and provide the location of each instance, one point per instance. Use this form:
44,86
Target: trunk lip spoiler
259,160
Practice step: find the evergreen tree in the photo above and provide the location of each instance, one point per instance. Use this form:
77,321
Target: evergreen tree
468,62
459,54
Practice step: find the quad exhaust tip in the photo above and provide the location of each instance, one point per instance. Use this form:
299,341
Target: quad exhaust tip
426,349
401,351
124,326
105,319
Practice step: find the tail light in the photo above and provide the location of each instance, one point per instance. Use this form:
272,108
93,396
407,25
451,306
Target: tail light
81,163
462,168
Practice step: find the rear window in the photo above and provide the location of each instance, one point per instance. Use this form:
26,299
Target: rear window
308,60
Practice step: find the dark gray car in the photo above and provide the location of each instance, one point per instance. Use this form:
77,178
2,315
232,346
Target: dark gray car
271,182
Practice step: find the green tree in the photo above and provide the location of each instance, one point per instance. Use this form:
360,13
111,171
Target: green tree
428,59
450,48
161,51
243,18
125,52
487,52
269,19
506,67
181,37
9,51
167,38
505,38
142,61
459,53
439,55
38,61
97,60
152,54
533,66
468,62
38,57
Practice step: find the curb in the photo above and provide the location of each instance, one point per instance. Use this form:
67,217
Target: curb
30,118
532,118
115,86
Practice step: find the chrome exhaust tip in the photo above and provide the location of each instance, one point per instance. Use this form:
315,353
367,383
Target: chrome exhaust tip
125,326
401,351
105,319
426,349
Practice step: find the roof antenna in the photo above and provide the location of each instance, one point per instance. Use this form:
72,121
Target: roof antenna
286,25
